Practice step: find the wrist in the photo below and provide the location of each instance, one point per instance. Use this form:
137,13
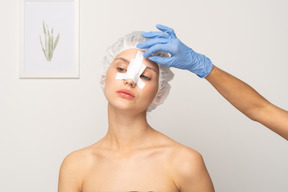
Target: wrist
200,64
207,67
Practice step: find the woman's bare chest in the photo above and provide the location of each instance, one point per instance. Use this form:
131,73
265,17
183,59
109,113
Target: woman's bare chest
138,174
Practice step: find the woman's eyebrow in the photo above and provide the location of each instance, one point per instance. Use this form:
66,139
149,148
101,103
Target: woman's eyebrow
123,59
151,68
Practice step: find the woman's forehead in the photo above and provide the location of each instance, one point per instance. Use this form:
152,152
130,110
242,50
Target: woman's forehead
129,54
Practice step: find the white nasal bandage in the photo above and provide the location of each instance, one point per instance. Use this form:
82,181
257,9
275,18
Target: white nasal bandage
134,70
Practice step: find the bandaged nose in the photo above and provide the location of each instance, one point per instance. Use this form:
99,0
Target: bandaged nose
130,82
134,70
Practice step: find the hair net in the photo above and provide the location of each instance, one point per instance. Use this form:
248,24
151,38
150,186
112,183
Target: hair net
130,41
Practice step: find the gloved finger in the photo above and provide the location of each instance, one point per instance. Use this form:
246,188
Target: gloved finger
166,29
157,47
149,43
153,34
161,60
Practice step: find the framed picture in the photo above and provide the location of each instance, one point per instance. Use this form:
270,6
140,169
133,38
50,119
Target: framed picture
49,42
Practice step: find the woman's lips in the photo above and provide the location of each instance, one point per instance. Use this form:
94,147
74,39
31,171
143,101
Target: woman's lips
126,94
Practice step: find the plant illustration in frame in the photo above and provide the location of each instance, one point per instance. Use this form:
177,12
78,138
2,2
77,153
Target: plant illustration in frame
50,43
49,39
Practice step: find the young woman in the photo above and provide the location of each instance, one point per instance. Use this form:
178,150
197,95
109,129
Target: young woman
133,156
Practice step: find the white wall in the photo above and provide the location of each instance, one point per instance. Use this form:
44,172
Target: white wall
42,120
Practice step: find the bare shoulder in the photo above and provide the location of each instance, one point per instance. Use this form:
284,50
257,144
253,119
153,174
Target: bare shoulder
75,158
178,151
188,169
82,157
187,160
73,169
187,153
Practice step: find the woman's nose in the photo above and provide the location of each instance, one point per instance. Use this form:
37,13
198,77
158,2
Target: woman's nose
130,82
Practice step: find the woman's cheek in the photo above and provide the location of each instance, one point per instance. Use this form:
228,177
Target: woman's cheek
109,80
152,89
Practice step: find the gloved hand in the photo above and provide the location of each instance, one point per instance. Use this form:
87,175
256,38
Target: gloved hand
182,57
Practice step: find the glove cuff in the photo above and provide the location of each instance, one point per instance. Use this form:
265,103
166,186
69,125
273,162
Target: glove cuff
206,67
201,66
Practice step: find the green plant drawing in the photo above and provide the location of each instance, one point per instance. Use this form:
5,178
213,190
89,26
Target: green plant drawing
50,43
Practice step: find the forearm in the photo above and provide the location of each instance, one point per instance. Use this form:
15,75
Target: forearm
238,93
249,102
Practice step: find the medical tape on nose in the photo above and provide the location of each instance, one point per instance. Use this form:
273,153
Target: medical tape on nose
134,70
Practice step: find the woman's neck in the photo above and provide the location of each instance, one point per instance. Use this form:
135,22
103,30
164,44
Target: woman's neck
127,131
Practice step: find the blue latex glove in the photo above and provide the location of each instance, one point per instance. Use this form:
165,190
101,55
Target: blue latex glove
182,57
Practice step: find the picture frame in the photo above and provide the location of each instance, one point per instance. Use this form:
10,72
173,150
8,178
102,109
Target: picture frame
49,39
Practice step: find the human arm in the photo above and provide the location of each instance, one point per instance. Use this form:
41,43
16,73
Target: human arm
238,93
191,174
70,174
249,101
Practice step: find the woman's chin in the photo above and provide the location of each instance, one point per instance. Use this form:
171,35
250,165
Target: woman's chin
128,108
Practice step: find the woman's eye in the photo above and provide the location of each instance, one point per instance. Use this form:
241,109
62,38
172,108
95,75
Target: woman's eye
145,77
120,69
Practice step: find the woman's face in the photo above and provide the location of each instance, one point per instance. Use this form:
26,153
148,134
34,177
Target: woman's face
124,93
